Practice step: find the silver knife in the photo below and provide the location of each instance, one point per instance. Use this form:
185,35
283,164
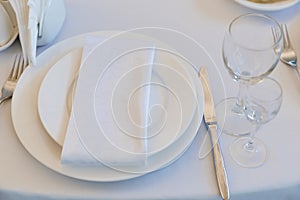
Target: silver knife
211,122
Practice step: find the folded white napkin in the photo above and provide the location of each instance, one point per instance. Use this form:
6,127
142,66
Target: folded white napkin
29,14
74,150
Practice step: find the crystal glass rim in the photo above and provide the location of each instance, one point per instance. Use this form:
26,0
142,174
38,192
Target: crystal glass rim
257,15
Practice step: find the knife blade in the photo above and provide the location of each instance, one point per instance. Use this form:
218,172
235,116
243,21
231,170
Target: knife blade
211,123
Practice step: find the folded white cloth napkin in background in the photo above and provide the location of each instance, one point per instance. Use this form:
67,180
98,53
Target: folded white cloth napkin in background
29,14
74,151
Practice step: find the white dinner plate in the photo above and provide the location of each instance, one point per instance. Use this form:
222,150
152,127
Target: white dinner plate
268,6
41,146
9,13
54,110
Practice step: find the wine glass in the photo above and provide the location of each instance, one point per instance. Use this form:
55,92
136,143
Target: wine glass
250,53
264,101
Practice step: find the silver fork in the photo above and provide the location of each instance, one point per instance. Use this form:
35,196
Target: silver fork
288,55
11,82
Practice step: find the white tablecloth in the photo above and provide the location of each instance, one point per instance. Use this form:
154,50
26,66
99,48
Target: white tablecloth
23,177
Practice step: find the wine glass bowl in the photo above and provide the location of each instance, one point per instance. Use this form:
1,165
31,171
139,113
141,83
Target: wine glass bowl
250,50
250,53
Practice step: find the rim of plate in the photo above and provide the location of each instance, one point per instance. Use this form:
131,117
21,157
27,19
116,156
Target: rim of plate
13,20
268,6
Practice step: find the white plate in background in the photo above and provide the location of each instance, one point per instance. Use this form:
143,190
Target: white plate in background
8,20
268,6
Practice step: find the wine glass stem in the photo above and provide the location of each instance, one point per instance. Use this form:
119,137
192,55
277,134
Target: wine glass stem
242,97
250,144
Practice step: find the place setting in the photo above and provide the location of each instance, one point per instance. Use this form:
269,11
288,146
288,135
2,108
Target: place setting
126,141
113,105
109,105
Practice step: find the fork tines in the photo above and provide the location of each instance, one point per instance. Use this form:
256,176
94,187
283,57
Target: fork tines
18,67
286,37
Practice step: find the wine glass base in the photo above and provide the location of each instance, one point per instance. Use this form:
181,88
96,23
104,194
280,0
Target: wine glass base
245,156
231,120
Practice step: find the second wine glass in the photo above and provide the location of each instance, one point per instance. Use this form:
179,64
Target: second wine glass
250,53
264,103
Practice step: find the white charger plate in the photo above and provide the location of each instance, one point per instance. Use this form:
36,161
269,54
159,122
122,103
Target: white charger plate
40,145
268,6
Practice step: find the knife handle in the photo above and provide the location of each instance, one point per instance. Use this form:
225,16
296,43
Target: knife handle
219,163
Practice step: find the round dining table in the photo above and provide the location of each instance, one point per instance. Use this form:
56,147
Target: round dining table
189,177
